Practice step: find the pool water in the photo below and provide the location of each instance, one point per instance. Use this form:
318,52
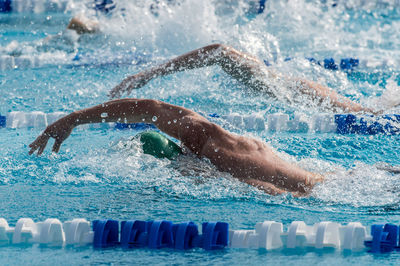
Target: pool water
101,173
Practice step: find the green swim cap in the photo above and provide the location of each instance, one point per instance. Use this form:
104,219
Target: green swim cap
158,145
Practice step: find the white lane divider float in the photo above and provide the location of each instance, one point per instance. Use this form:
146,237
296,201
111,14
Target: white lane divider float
50,232
324,235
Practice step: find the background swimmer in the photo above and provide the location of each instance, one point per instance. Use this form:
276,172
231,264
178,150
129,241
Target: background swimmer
247,159
245,68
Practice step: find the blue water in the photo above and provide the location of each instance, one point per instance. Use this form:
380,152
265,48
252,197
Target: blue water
102,174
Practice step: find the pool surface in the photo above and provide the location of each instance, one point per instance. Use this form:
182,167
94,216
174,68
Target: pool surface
101,173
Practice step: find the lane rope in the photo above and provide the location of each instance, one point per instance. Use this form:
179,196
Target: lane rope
267,235
278,122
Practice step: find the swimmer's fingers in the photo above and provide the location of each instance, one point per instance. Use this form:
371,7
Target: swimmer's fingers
129,90
57,145
115,93
39,144
136,82
118,90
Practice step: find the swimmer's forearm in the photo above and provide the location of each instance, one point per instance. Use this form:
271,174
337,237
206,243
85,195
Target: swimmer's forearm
205,56
198,58
194,59
124,110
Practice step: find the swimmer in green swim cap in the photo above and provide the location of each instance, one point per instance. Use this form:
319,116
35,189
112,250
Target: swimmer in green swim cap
250,160
158,145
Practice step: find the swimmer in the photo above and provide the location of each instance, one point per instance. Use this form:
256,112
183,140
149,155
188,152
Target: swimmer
65,41
82,25
243,67
247,159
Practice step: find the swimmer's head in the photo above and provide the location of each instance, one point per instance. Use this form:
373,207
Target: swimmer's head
82,25
158,145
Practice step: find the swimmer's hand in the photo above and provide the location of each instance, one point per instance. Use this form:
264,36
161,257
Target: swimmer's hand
59,130
130,83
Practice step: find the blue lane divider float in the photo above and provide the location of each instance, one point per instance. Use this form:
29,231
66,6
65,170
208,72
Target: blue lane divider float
385,238
267,235
347,64
105,233
278,122
5,6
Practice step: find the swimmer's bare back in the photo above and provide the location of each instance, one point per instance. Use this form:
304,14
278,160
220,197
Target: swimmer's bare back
247,159
243,67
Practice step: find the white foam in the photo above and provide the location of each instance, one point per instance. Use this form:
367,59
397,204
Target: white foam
390,97
6,62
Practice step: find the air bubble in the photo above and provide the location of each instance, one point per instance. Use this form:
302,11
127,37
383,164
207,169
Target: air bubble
104,115
154,119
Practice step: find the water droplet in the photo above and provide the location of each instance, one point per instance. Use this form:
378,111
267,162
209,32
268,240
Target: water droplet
103,120
175,120
216,150
169,122
104,115
180,111
154,119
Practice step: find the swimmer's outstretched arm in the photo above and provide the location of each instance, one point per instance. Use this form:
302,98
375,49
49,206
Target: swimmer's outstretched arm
125,110
242,67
